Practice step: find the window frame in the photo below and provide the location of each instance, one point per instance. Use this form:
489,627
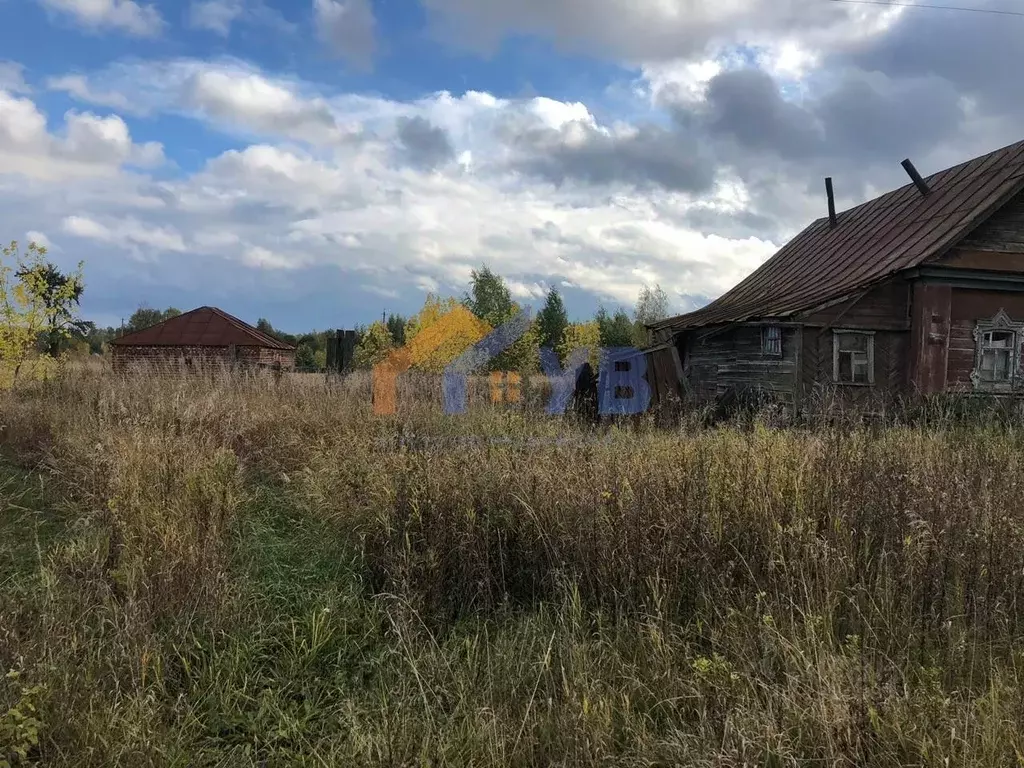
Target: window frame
836,334
765,339
999,323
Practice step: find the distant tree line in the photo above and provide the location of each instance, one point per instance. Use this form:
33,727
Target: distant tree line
489,300
49,324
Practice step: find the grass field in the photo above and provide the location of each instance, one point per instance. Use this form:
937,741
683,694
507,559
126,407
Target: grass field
216,572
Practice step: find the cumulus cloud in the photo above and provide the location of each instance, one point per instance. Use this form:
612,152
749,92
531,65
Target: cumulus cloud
129,233
248,99
347,28
231,94
642,156
423,144
90,145
123,15
78,87
718,159
649,30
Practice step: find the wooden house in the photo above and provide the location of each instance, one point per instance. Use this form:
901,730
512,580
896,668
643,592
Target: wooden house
202,337
920,290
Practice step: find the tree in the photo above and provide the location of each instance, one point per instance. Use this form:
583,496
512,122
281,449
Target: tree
489,298
396,327
263,326
374,345
463,328
60,295
552,321
581,336
616,330
652,305
25,314
145,316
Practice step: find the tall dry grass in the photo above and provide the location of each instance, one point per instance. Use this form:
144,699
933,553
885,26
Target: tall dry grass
225,570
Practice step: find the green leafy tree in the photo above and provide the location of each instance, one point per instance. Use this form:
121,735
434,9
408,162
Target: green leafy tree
552,321
489,298
373,346
616,330
61,296
263,326
26,310
145,316
396,327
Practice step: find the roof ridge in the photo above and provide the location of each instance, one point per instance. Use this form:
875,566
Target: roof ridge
251,329
876,239
234,330
158,322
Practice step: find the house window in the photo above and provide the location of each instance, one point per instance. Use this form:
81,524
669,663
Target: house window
996,356
771,340
853,357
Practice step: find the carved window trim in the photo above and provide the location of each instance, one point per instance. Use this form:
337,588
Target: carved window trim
999,322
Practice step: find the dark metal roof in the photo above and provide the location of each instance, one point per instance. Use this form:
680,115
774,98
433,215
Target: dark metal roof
897,231
202,327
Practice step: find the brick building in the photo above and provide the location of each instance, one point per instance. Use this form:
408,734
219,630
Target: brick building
199,338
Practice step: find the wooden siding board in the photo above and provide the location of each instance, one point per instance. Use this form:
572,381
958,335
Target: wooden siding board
884,307
1004,231
719,361
989,260
967,307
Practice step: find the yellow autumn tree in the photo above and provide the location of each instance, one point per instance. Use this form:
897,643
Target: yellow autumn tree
31,307
451,329
374,347
581,335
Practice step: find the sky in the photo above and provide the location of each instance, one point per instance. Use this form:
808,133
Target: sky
320,162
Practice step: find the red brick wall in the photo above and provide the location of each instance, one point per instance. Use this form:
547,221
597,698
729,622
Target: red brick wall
170,357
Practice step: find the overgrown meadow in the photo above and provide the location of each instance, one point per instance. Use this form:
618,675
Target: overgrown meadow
224,571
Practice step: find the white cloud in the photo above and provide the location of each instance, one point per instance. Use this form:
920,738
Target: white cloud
357,207
12,77
106,140
655,30
90,145
78,86
40,239
215,15
347,28
127,232
248,99
263,258
123,15
232,95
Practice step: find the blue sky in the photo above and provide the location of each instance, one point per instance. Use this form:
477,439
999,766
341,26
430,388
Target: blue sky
317,162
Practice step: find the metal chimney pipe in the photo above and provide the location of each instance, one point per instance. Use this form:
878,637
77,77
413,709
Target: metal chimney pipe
832,220
915,177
